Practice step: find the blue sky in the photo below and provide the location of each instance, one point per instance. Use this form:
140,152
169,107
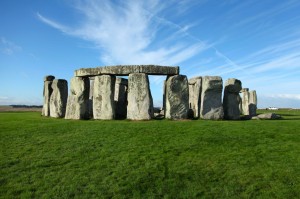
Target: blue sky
255,41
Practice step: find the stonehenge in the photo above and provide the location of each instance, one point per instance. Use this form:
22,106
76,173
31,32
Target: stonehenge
211,98
101,94
58,99
231,99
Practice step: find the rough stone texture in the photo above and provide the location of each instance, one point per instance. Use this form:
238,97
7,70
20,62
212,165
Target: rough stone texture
245,101
140,104
103,100
231,99
267,116
91,98
121,88
211,98
195,85
128,69
78,100
252,103
177,97
58,99
47,91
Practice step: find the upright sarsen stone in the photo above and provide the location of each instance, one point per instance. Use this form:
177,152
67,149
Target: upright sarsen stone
58,99
195,85
231,99
103,97
121,88
47,91
245,101
177,97
211,98
252,103
78,100
140,104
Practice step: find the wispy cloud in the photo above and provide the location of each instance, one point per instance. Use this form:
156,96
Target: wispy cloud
8,47
127,33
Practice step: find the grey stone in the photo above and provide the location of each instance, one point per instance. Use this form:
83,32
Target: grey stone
103,97
91,97
252,103
245,101
177,97
211,98
195,85
140,104
47,91
231,99
78,99
121,88
58,99
128,69
267,116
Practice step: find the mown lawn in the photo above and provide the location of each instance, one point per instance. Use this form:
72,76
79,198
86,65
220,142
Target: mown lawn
56,158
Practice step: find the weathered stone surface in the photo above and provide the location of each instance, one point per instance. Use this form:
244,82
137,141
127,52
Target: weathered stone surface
211,98
140,104
231,99
91,98
267,116
47,91
103,97
121,88
177,97
78,100
128,69
252,103
195,85
58,99
245,101
49,78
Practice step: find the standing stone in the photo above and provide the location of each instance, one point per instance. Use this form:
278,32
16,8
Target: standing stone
177,97
78,100
211,98
58,99
103,97
47,91
91,97
245,101
121,87
231,99
252,103
140,104
195,85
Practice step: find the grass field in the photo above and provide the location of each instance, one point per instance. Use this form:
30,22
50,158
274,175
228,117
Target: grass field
56,158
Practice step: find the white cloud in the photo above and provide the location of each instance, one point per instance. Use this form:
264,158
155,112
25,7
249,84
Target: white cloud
7,47
127,33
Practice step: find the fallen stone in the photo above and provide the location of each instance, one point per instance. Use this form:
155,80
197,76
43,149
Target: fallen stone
140,104
267,116
195,85
128,69
121,88
211,98
177,97
47,91
103,97
231,99
78,100
58,99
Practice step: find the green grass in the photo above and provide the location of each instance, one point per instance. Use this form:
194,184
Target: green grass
48,158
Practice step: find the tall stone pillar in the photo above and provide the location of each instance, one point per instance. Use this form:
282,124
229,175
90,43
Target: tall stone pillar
211,98
47,91
245,101
177,97
121,88
231,100
103,97
252,103
195,85
58,99
140,103
91,97
78,100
